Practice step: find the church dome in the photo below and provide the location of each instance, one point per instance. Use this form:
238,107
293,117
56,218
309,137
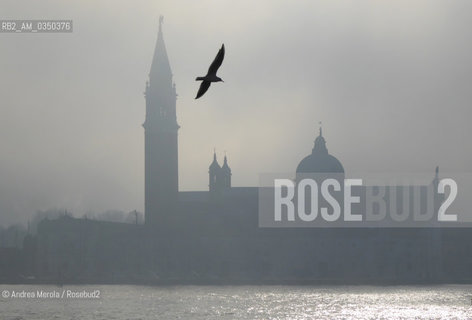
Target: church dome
320,161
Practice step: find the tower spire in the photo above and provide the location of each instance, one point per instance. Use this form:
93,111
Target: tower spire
436,176
214,165
160,66
225,162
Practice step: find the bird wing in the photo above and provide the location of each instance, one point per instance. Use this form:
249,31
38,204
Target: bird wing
203,88
218,61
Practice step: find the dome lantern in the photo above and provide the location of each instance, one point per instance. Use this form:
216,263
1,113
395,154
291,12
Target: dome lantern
320,161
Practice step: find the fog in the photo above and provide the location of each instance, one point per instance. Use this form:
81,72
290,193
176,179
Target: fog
390,82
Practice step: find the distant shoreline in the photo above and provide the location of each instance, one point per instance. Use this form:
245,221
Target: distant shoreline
235,282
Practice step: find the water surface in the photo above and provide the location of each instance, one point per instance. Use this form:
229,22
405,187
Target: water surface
242,302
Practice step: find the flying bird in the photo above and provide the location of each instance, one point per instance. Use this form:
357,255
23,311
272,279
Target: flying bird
211,74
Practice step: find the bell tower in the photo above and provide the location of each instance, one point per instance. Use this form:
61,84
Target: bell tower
160,134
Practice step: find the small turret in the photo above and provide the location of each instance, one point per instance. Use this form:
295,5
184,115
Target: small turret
214,172
219,177
225,175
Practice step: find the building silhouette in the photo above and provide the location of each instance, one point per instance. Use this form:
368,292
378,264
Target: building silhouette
161,139
213,235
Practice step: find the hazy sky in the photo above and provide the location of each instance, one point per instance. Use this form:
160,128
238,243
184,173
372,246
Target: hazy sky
390,80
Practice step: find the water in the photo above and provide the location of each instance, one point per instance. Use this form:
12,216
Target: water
243,302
